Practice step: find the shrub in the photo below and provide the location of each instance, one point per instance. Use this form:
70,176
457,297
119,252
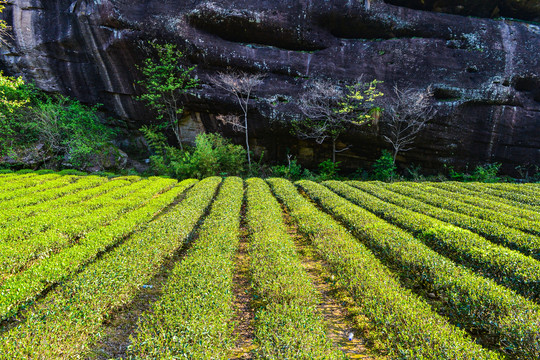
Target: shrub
414,172
212,155
69,130
404,320
72,172
14,96
483,173
193,317
384,168
529,173
486,173
48,171
292,171
56,129
287,324
470,300
216,155
328,170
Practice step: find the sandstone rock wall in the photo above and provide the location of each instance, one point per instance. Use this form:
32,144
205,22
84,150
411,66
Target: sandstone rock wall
485,72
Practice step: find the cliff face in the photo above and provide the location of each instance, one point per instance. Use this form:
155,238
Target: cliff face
485,72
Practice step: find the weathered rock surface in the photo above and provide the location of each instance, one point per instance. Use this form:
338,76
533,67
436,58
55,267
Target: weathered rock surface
485,72
518,9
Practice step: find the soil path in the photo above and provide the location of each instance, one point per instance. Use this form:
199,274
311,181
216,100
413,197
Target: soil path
244,312
333,305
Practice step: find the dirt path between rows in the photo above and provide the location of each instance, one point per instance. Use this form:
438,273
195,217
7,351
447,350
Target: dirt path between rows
244,312
340,322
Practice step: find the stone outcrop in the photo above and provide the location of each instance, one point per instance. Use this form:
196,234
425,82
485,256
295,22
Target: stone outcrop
517,9
485,72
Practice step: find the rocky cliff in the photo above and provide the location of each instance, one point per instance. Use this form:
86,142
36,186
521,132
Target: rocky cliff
485,70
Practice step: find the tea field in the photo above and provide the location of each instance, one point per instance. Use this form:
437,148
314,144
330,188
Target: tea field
153,268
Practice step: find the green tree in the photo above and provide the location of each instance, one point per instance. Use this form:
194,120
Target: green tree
167,81
4,28
13,94
330,110
384,168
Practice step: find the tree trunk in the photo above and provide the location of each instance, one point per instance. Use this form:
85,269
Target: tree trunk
395,155
178,134
175,124
247,140
334,151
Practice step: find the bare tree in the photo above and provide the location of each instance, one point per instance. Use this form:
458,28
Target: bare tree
330,110
408,115
241,85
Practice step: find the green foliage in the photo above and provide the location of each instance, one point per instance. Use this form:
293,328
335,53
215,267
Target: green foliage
412,277
359,174
510,268
107,174
215,154
287,324
155,139
483,173
328,170
470,300
73,314
294,171
72,172
442,200
69,130
518,210
25,286
193,318
497,232
49,171
384,168
330,110
212,155
516,198
166,83
291,171
14,96
66,130
401,319
487,173
414,172
259,168
359,102
529,173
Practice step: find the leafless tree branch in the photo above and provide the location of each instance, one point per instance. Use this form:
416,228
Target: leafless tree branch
241,85
232,120
407,115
